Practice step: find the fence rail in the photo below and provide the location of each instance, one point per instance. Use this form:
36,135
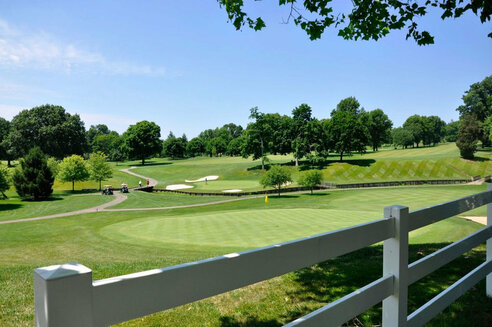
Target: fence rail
66,295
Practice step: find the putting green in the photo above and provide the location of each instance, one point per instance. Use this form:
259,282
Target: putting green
246,228
256,228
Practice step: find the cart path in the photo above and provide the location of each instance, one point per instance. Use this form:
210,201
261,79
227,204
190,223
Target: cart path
119,197
152,182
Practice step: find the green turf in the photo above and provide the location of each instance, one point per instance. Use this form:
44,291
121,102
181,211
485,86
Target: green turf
17,209
138,199
429,163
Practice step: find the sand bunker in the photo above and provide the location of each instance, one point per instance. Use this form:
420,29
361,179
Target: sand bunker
178,187
231,191
208,178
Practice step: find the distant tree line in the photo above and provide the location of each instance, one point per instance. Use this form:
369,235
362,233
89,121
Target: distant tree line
350,128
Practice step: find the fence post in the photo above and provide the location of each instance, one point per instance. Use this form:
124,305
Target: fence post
489,245
395,262
63,296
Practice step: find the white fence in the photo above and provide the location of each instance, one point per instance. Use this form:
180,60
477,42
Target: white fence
66,295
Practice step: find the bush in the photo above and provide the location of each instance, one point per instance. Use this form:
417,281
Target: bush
33,178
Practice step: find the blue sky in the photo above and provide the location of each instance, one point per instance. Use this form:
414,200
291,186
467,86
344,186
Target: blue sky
183,66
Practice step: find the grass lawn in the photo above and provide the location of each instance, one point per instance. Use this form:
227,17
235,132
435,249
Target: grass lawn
155,200
59,202
439,162
119,243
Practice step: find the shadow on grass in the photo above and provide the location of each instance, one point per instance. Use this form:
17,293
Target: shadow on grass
9,206
328,281
153,163
480,159
250,321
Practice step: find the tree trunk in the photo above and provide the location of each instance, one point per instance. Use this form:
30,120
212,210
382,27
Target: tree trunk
73,185
341,156
262,156
311,190
279,190
297,162
8,163
143,161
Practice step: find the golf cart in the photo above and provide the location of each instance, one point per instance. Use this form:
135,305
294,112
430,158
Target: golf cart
124,188
108,190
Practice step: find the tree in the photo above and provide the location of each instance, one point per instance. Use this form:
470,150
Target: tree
174,147
301,136
99,168
258,136
53,165
275,177
99,129
109,144
451,131
367,19
216,146
4,180
379,126
402,137
73,169
142,140
433,130
415,125
467,136
310,179
345,131
195,147
4,132
33,178
477,101
51,128
235,147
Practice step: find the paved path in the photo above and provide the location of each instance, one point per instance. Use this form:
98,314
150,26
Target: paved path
119,197
152,182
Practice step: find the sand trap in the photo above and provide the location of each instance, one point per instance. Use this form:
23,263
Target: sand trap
231,191
209,178
178,186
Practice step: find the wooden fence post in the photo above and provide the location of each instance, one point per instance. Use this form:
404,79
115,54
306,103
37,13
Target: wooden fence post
395,262
489,246
63,296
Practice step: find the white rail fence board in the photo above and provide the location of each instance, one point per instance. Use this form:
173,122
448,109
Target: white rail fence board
349,306
66,295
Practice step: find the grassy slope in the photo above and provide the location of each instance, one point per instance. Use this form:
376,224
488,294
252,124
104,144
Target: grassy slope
17,209
93,240
440,162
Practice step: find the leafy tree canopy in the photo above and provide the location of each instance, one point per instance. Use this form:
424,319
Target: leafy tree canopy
99,168
367,19
51,128
379,126
310,179
276,176
4,180
73,169
142,140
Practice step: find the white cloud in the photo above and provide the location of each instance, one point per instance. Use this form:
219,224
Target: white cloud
118,123
42,51
8,112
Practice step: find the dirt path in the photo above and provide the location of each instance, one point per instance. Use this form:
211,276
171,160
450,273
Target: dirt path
119,197
152,182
